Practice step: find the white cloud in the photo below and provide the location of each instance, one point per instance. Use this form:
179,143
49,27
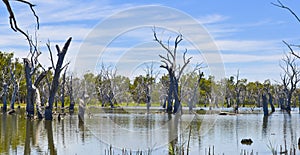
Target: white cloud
248,45
61,19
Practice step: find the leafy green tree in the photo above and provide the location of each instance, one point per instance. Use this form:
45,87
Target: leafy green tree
140,87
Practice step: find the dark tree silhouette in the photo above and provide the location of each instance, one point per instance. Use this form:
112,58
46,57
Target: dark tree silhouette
12,18
174,70
55,82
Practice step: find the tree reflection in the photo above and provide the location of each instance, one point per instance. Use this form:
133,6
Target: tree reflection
265,126
173,134
81,128
51,146
29,128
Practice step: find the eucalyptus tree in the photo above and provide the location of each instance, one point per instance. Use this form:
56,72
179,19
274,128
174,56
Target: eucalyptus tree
122,89
140,89
206,90
169,62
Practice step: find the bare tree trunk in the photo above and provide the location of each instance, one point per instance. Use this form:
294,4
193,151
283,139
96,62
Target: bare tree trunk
81,110
170,94
63,92
148,98
288,104
271,102
72,102
177,104
30,90
61,55
38,103
265,105
4,96
14,93
13,98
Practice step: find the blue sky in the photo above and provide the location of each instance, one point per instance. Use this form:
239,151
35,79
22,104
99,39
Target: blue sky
248,33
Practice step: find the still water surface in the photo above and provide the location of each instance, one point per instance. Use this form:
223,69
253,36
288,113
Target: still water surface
158,133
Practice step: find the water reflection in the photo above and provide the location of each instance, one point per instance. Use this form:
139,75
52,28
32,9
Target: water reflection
81,129
265,126
72,136
29,135
51,147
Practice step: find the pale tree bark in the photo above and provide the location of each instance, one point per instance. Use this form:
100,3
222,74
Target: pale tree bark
14,93
55,82
174,71
70,92
4,96
237,92
195,91
62,99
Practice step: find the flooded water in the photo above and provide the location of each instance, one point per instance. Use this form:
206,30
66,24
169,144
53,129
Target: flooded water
155,133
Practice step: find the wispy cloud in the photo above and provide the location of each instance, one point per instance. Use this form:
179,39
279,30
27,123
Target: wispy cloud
87,23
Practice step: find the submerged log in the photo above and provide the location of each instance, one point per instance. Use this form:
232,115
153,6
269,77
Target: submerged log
247,141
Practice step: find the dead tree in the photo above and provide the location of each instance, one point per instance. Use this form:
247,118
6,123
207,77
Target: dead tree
290,46
70,93
29,67
265,104
62,92
13,21
4,96
55,82
174,71
237,89
105,85
15,91
290,79
267,89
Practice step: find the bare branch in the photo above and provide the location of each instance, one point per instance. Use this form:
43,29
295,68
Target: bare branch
166,59
65,66
161,43
291,49
177,41
12,19
51,56
287,8
32,10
